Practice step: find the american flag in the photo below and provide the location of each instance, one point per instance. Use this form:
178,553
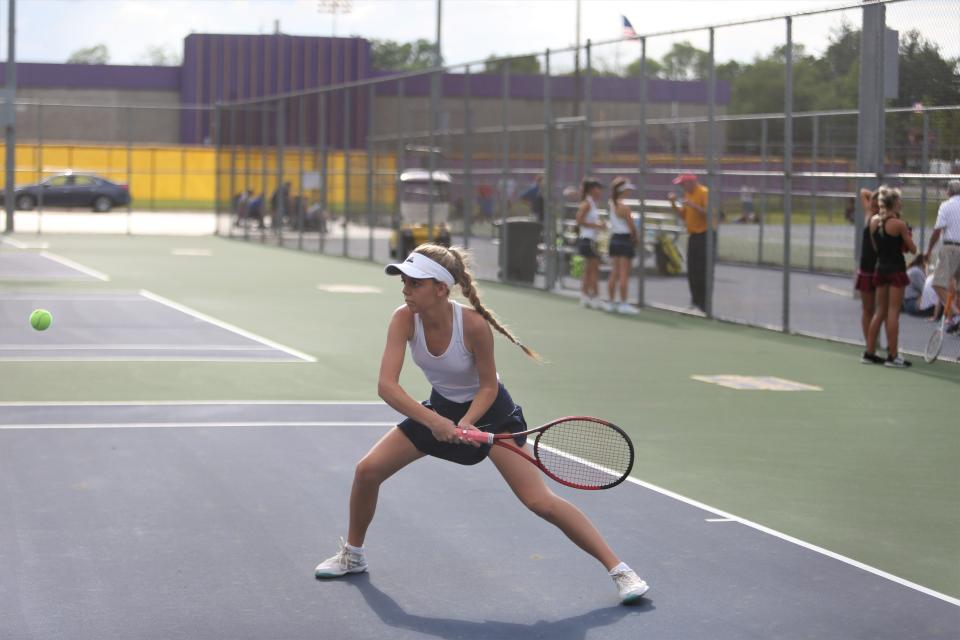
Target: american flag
628,31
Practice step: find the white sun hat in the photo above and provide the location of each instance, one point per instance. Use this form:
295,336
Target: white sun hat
420,267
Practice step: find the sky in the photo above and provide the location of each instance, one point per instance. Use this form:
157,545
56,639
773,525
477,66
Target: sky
50,30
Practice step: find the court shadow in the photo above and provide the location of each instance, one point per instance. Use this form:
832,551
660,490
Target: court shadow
573,628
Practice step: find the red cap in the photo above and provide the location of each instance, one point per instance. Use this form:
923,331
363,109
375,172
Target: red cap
684,177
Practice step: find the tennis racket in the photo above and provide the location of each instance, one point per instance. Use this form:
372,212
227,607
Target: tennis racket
935,343
576,451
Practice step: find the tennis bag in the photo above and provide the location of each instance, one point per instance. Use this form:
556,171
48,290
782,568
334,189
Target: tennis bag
669,262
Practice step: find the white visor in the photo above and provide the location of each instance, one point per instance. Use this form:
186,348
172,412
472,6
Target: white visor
626,186
420,267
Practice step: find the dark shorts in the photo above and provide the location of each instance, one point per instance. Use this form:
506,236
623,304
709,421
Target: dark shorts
503,416
865,282
895,279
587,247
621,246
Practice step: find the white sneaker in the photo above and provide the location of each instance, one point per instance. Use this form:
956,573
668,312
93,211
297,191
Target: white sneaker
627,309
630,585
603,305
585,301
344,562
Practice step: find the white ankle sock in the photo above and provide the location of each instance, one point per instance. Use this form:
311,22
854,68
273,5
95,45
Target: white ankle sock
620,568
353,549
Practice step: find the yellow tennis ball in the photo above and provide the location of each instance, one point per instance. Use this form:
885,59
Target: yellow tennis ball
40,319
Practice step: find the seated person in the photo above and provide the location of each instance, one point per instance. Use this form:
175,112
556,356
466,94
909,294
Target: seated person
913,292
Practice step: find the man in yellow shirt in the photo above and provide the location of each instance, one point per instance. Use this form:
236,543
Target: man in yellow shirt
693,210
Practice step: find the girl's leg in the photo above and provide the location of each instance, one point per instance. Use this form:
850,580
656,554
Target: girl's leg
894,302
614,279
867,307
527,483
624,277
879,315
393,452
593,269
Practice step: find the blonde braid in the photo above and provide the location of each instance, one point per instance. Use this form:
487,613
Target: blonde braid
454,260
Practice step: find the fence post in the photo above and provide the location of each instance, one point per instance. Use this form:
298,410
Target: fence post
642,175
588,113
813,192
233,169
546,185
712,201
764,166
925,168
504,164
216,165
324,173
371,216
263,171
276,221
787,173
398,187
39,168
346,169
468,195
301,144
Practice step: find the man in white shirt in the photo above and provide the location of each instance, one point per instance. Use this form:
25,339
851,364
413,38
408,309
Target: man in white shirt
948,225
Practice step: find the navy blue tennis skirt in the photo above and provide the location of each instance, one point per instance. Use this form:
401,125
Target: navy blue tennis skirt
503,416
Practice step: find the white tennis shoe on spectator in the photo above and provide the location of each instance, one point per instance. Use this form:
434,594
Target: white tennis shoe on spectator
630,585
346,561
627,309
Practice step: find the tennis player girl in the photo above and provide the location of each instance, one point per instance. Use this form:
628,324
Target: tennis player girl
453,345
590,224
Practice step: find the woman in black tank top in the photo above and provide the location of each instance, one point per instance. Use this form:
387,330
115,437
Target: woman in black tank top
890,238
868,265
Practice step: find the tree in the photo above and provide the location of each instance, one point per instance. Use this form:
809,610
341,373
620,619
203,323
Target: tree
96,54
159,56
654,68
388,55
686,62
523,65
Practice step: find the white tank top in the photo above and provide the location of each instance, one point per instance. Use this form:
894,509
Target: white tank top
617,224
592,217
453,374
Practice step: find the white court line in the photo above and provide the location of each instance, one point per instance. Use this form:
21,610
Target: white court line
75,265
182,425
773,532
25,245
721,520
120,358
224,325
835,291
120,296
130,347
652,487
186,403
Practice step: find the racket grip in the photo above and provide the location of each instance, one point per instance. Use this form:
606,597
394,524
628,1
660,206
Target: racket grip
475,436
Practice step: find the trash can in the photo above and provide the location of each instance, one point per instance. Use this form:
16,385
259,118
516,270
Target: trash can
521,237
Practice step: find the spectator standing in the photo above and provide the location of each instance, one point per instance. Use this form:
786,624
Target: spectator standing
533,196
746,204
589,225
891,239
947,226
692,209
623,239
864,284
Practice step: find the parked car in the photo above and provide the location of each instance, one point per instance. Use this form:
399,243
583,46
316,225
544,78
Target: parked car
72,190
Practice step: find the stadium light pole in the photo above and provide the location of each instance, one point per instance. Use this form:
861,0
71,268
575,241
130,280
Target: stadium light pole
10,113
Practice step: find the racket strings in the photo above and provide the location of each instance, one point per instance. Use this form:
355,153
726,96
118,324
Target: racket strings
585,453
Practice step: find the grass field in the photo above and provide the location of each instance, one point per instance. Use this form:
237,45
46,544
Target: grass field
867,467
